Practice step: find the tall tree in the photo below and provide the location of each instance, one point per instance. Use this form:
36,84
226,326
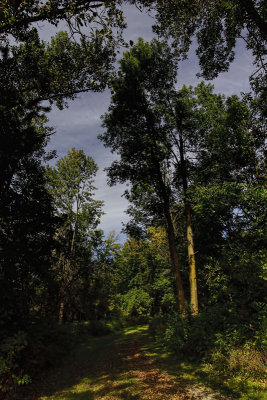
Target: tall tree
32,71
144,285
71,185
135,131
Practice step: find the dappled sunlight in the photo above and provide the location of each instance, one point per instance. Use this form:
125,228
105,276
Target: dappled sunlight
124,367
130,366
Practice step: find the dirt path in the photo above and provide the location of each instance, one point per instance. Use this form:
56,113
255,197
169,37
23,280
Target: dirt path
145,372
122,367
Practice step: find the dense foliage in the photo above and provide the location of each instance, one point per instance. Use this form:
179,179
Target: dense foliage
206,152
194,262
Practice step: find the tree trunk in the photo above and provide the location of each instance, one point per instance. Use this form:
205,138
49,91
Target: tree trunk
175,263
66,271
61,313
189,234
165,197
192,261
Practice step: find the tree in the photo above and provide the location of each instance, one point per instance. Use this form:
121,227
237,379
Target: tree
36,72
135,131
33,71
223,144
144,284
27,225
102,290
34,76
71,185
216,26
17,17
175,141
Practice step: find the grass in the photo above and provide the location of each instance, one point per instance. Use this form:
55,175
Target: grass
130,366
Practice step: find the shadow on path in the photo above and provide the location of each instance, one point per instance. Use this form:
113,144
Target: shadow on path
125,366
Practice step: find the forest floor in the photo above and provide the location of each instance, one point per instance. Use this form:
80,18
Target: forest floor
129,366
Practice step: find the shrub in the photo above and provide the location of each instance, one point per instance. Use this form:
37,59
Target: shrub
11,372
246,361
190,337
216,336
136,304
98,328
43,346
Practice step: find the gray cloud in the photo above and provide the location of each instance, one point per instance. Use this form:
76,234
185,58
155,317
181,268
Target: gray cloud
79,125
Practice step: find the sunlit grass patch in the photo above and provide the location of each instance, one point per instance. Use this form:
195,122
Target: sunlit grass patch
130,366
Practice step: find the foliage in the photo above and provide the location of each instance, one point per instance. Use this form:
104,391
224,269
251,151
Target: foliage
136,131
144,282
135,304
217,26
191,147
35,75
214,336
224,145
27,227
11,373
70,184
17,17
26,355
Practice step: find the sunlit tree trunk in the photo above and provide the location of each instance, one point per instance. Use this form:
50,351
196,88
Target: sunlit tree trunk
61,313
189,234
192,261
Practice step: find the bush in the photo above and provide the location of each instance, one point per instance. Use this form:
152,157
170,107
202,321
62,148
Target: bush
190,337
246,361
41,347
11,373
214,336
136,305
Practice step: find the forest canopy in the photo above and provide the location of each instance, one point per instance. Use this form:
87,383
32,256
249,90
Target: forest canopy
193,265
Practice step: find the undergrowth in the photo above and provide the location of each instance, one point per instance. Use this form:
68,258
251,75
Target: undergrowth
215,338
42,346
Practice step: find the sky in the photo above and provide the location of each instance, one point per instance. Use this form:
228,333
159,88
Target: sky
79,125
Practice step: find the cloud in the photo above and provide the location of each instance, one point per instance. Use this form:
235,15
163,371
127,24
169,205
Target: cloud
79,125
234,81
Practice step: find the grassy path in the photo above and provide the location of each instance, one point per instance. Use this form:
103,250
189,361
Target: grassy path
126,366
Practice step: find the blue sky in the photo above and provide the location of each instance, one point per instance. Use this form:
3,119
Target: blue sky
79,125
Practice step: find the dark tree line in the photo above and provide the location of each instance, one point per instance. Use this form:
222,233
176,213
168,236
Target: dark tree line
195,161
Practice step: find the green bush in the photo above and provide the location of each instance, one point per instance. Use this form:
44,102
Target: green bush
11,372
41,347
246,361
190,337
136,305
215,336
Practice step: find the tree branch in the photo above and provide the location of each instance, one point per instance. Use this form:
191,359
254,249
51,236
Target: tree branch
254,16
53,14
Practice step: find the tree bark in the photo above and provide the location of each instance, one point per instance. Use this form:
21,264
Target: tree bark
189,234
192,261
61,313
175,262
165,197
